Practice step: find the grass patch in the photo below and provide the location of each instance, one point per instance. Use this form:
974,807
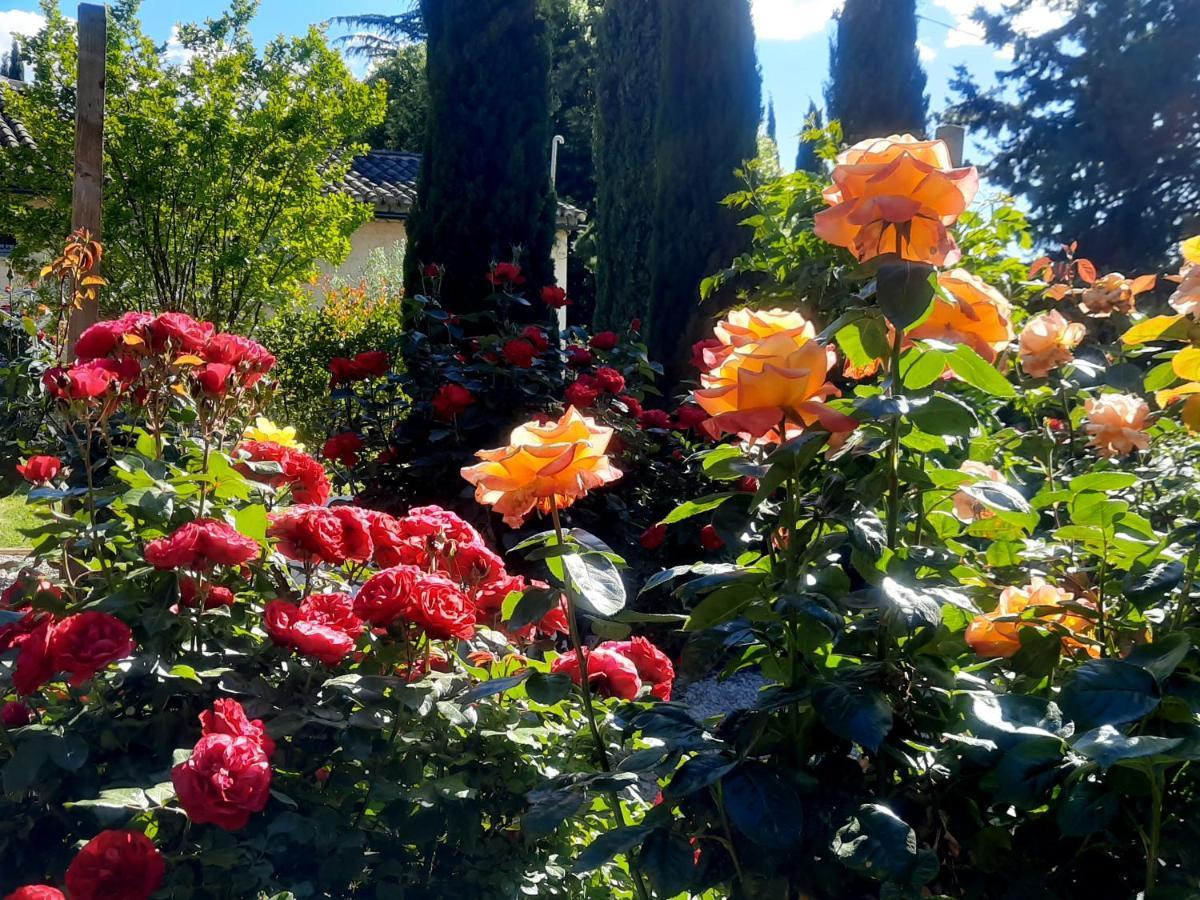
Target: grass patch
14,514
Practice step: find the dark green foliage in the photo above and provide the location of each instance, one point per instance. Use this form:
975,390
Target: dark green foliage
1097,123
807,159
877,85
707,126
771,120
627,74
14,62
403,74
485,177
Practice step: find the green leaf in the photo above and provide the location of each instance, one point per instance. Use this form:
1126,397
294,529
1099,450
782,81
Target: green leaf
920,367
854,712
1028,771
878,844
595,584
1162,657
69,752
491,687
696,507
549,809
697,773
944,415
863,340
21,772
1085,809
722,605
1103,481
132,799
608,845
904,291
1154,586
548,689
1108,746
1108,692
667,859
763,805
533,606
252,522
917,608
975,371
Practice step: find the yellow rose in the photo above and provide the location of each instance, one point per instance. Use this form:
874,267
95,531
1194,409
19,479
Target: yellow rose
1047,341
264,429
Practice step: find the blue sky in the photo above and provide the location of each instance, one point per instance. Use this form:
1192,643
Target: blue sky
793,40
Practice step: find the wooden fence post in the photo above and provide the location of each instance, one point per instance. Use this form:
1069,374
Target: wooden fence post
89,143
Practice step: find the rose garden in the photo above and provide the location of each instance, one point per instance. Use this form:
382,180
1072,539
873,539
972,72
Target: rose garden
436,636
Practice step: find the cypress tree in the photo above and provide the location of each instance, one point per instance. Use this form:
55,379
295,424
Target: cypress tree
14,66
707,126
877,85
771,120
806,154
627,75
484,186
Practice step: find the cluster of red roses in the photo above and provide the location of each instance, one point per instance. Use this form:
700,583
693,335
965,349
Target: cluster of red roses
304,476
114,865
79,645
343,448
621,668
114,354
369,364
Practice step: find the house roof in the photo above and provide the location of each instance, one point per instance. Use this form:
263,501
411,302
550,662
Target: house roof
12,132
387,179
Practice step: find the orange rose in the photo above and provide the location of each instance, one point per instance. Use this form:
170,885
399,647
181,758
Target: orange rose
1186,299
543,465
966,507
745,326
989,637
978,319
897,195
759,385
1117,424
1047,341
1113,293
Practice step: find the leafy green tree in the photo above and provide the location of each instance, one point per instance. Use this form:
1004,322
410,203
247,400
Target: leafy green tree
484,191
628,69
1097,125
217,200
402,73
807,157
706,128
573,94
877,84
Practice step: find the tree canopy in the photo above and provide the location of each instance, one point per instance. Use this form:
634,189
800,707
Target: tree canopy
1097,123
218,202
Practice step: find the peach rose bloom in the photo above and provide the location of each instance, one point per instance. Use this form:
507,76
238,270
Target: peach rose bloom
966,507
990,638
760,385
897,195
978,318
543,465
1112,293
1117,424
1047,341
1186,298
744,326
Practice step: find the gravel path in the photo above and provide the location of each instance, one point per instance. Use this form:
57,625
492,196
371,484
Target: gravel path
713,697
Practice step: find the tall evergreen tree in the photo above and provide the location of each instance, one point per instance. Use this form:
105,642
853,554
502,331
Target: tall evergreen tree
14,63
806,154
484,186
771,120
877,85
1097,123
628,69
706,127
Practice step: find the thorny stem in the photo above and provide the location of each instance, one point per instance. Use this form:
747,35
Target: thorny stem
893,460
1155,836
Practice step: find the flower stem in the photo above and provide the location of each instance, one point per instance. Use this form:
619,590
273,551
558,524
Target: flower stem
1155,836
893,458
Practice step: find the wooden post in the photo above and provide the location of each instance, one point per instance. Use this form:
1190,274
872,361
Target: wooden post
89,142
955,137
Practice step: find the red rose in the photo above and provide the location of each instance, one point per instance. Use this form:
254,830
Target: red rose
108,337
213,379
604,340
432,270
635,325
537,337
555,297
305,476
469,564
227,716
212,596
747,484
40,469
83,381
519,352
654,418
709,539
36,892
387,595
451,400
610,379
702,353
370,364
15,714
375,363
610,674
116,865
343,370
243,354
653,537
577,357
689,416
653,666
323,626
343,448
581,393
441,609
632,407
506,273
226,780
440,524
490,596
179,333
83,644
35,664
327,534
392,545
199,545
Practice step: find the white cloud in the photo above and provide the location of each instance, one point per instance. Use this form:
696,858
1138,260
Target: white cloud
1040,17
926,52
18,21
791,20
175,53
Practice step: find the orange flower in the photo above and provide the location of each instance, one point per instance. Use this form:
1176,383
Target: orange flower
966,507
1113,293
978,319
543,465
1117,424
989,637
897,195
1047,341
759,385
1186,299
745,326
